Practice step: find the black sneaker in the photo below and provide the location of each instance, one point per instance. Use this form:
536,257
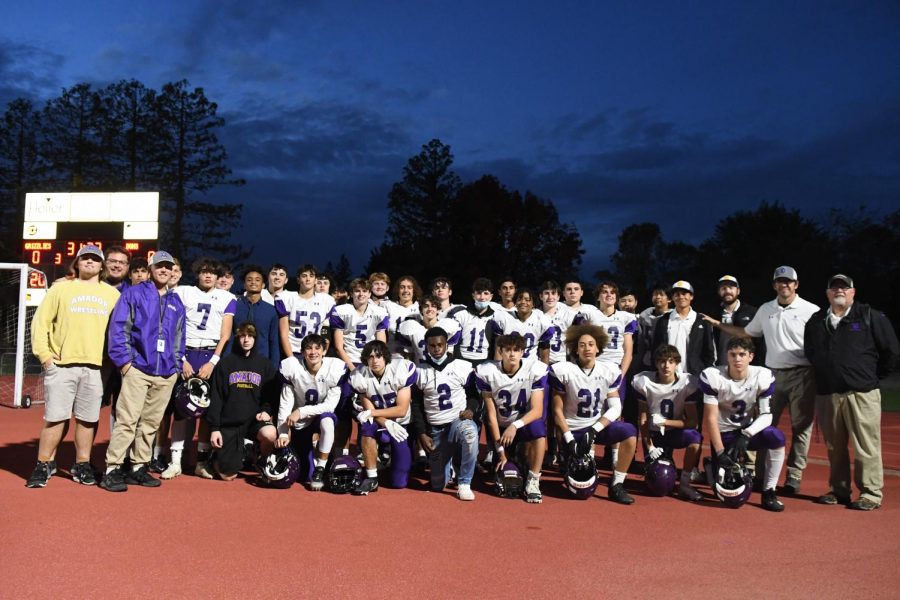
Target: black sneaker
771,502
618,494
157,465
830,499
42,473
791,487
83,473
114,481
864,504
142,477
318,479
368,484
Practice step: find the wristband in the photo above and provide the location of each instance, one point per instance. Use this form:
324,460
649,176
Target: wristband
518,424
569,437
282,435
744,432
214,359
500,449
598,426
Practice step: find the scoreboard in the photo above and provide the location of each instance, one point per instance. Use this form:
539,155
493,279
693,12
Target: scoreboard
56,225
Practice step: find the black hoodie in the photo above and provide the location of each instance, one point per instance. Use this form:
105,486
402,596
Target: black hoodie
242,386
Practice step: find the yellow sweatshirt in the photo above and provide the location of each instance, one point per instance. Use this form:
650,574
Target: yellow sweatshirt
71,322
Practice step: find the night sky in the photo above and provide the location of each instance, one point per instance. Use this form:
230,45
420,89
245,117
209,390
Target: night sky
618,112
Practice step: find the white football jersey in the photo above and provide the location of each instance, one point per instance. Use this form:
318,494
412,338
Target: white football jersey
617,326
203,314
666,399
358,329
397,314
562,319
739,401
444,390
536,329
475,334
511,393
318,393
411,334
444,312
584,393
267,296
382,392
305,315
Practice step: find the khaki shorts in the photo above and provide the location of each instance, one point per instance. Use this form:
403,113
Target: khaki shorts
69,389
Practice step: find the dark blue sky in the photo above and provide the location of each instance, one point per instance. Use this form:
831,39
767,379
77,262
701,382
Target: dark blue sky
619,114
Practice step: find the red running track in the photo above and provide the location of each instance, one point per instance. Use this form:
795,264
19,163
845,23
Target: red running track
193,538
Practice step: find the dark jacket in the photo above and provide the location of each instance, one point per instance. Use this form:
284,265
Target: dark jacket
743,315
141,318
242,386
854,356
700,349
265,318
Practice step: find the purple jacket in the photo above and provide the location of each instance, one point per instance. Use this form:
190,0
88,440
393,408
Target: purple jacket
139,320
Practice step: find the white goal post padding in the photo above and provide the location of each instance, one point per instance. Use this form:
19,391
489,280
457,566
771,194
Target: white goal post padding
15,326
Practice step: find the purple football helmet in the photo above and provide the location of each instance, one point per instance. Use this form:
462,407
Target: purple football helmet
732,485
581,476
192,398
660,477
281,468
509,481
343,474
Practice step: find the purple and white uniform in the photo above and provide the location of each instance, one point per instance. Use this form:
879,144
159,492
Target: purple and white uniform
305,315
475,334
512,393
444,390
739,401
316,395
617,326
667,400
358,328
586,394
382,392
562,318
397,314
536,329
204,312
411,334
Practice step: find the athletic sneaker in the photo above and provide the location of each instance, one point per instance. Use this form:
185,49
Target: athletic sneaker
157,465
791,487
114,481
831,499
368,484
864,504
83,473
533,491
464,492
686,492
172,471
318,479
142,477
42,473
618,494
771,502
697,476
204,470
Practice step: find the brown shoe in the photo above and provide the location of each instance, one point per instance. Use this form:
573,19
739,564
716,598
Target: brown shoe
864,504
831,499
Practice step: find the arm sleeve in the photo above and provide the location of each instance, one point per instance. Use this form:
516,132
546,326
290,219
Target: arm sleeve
613,408
286,405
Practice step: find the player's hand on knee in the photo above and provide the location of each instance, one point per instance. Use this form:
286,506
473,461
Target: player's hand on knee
740,445
215,439
655,452
396,430
426,442
364,416
282,441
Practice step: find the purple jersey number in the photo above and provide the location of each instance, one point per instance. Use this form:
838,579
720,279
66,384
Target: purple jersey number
667,409
506,409
385,400
740,411
205,309
613,332
589,407
444,397
311,396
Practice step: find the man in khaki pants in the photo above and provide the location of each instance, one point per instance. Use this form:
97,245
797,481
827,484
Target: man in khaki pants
146,343
851,347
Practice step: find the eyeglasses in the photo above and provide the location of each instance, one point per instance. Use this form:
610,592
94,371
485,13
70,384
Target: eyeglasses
115,261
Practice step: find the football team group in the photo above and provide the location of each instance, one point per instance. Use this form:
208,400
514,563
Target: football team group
282,382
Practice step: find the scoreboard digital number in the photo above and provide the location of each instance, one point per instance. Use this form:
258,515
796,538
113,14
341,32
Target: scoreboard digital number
57,225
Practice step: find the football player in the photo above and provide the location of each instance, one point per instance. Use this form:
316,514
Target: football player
737,415
380,285
209,319
307,310
243,392
507,292
573,293
560,315
384,393
276,280
411,333
313,388
476,335
668,403
535,328
226,279
444,416
586,402
323,283
441,290
513,393
407,292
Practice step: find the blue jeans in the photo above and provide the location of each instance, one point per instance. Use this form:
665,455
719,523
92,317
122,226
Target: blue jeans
459,435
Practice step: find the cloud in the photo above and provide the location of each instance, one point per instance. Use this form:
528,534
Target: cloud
27,71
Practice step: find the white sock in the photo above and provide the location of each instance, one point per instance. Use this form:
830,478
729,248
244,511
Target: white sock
321,462
533,475
176,456
618,477
326,435
372,473
345,452
111,468
135,468
615,457
774,462
179,434
421,452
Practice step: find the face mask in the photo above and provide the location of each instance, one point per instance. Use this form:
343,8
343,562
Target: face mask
438,361
481,305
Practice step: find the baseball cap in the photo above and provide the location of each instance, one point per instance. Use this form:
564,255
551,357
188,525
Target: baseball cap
840,277
90,249
682,285
161,256
729,280
785,272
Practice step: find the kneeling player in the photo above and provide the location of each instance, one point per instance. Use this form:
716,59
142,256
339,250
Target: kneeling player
513,394
244,388
581,392
312,389
443,416
384,395
733,394
668,405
